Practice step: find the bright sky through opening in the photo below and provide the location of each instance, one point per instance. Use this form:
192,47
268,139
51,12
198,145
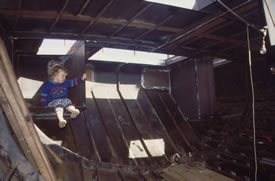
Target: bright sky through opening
55,47
188,4
130,56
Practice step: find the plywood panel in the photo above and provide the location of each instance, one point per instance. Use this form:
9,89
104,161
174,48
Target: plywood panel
97,131
76,67
131,177
155,123
191,172
82,137
72,171
167,120
185,127
126,125
149,135
89,175
119,144
62,136
104,176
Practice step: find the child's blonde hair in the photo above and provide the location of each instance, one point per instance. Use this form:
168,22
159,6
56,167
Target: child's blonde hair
54,67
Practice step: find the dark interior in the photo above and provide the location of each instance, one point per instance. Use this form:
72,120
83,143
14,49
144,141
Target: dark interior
191,105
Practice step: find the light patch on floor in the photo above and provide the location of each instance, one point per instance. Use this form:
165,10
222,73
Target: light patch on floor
137,150
156,147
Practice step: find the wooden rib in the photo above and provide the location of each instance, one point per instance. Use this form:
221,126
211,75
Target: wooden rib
11,117
22,115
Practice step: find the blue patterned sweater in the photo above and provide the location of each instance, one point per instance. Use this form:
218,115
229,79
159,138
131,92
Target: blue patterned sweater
52,90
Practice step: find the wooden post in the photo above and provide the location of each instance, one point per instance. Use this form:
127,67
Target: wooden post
22,124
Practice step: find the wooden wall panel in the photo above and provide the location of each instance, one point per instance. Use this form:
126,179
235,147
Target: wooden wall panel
110,123
168,120
154,121
189,134
97,131
76,66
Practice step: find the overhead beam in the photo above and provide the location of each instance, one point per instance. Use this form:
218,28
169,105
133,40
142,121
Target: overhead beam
196,31
54,15
127,46
74,36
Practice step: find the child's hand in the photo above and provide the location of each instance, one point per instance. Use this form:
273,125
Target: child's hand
84,76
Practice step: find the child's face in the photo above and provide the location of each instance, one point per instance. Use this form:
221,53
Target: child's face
60,76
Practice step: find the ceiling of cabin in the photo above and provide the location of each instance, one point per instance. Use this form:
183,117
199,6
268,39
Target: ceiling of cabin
135,25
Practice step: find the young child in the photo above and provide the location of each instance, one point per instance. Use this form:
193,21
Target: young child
55,92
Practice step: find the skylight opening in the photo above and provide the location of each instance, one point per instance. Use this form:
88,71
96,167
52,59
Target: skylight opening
55,47
190,4
130,56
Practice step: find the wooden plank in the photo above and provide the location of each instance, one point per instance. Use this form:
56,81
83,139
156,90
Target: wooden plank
5,172
188,132
66,139
82,137
131,177
96,129
126,125
110,123
12,155
64,136
76,67
191,172
148,134
10,116
156,124
167,120
21,112
69,141
48,15
72,171
56,162
104,176
150,177
89,175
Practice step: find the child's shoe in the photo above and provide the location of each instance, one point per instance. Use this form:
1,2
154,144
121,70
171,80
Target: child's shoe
75,113
62,123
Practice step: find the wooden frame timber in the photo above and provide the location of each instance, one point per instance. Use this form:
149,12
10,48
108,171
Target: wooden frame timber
20,119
